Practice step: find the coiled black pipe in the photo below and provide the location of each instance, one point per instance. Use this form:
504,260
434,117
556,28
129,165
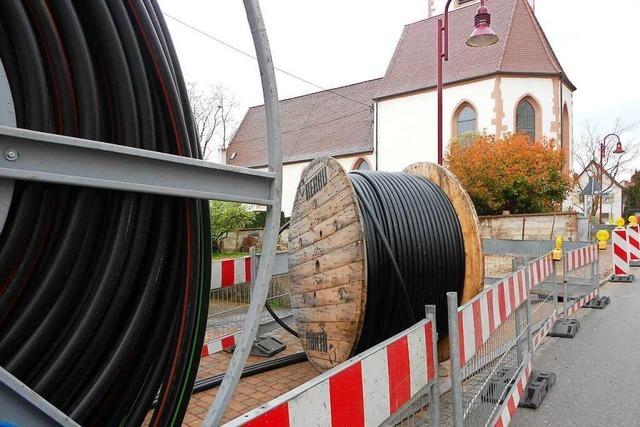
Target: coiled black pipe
415,251
103,294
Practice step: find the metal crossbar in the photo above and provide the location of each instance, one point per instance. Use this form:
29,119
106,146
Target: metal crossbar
66,160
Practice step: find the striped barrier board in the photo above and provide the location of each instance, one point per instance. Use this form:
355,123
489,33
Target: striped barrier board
363,391
540,270
230,272
548,325
510,405
544,331
582,301
481,316
219,344
580,257
620,252
634,244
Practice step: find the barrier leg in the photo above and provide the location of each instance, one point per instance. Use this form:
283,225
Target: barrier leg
434,392
554,278
564,289
528,314
454,353
518,325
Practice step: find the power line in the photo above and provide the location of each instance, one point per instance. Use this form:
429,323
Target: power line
249,55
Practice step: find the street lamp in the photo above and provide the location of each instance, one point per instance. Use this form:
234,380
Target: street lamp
603,147
481,36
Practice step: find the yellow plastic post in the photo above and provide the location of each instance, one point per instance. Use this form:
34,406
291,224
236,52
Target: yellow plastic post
602,236
557,252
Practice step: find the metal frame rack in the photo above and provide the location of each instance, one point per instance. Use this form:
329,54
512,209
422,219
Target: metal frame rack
35,156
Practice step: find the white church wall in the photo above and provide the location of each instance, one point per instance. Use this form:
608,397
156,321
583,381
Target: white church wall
540,89
567,99
407,125
292,172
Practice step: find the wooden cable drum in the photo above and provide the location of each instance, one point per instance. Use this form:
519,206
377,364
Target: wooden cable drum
328,264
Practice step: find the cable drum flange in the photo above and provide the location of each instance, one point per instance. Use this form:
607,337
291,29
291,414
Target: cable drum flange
367,251
7,118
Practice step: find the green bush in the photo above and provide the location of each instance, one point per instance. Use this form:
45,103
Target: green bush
227,217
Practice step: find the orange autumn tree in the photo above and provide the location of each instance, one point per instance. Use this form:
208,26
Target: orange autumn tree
511,174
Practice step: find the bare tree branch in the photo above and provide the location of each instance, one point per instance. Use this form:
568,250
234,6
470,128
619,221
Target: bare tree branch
214,109
587,149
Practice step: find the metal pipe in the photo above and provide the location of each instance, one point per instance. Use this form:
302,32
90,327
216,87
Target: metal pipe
434,393
440,29
527,279
7,118
454,354
518,327
564,287
272,225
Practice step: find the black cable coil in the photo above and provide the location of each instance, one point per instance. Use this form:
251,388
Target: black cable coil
103,294
415,252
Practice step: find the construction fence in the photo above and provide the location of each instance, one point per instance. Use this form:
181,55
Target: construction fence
230,296
492,339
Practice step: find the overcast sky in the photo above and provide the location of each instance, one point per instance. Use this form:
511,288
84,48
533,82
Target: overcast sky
338,42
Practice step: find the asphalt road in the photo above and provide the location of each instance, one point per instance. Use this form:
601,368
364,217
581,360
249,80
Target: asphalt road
598,372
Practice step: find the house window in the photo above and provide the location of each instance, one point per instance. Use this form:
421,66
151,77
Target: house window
526,118
361,165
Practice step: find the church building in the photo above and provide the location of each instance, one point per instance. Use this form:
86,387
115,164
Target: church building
515,85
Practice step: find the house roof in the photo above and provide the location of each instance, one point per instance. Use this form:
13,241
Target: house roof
333,122
595,186
522,49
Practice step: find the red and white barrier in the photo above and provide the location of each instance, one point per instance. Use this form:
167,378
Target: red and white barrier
620,252
578,258
219,344
544,331
582,302
363,391
548,325
633,238
480,317
540,270
510,405
230,272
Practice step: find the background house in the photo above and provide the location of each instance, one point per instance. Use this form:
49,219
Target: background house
516,85
587,189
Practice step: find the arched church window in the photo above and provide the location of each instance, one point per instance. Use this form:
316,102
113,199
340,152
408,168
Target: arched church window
466,120
526,118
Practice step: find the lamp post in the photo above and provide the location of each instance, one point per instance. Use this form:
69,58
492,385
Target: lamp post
481,36
603,147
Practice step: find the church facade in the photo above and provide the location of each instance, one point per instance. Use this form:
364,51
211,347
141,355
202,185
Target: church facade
516,85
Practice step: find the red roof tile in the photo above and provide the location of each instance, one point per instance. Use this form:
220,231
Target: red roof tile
522,48
318,124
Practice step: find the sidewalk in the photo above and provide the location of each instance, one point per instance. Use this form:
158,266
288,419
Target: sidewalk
598,372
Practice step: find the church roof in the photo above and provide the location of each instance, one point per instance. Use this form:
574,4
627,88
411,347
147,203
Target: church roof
522,49
333,122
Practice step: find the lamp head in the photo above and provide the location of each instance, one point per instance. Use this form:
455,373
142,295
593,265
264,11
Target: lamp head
619,149
482,34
